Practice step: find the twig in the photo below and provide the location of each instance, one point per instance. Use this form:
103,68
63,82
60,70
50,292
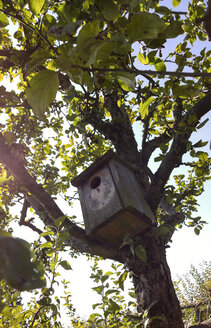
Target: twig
29,224
31,28
195,305
35,316
179,12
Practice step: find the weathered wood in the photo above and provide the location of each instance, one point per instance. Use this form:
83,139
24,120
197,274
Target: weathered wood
129,189
100,162
112,201
125,222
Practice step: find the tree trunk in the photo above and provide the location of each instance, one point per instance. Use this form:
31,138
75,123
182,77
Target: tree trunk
154,288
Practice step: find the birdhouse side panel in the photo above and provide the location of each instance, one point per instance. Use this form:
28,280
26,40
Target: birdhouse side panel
100,199
129,189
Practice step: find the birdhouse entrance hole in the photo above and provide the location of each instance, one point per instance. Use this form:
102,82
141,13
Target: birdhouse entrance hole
95,182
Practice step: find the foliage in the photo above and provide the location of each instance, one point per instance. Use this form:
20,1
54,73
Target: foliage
117,306
81,73
112,308
39,308
193,290
16,265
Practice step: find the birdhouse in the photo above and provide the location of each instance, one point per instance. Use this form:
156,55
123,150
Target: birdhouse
112,201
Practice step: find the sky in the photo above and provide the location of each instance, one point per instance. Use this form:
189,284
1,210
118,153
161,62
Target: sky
186,247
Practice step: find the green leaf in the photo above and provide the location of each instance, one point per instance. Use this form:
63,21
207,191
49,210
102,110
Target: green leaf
132,294
186,91
151,56
3,175
102,50
132,249
202,156
145,26
162,230
93,316
59,31
144,107
17,268
176,3
2,306
42,91
144,60
98,289
197,231
65,265
159,158
173,30
3,180
126,240
159,65
108,273
202,124
39,57
111,291
9,137
109,10
200,143
192,119
47,233
86,35
4,233
127,81
113,306
163,10
46,245
36,6
122,279
3,20
59,221
141,253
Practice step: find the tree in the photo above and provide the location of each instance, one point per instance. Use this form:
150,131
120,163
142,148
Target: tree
193,290
89,53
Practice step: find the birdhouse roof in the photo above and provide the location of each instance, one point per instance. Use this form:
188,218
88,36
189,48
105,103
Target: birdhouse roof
101,161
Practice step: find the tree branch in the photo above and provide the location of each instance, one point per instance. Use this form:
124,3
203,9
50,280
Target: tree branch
195,305
178,148
153,144
142,72
121,132
78,238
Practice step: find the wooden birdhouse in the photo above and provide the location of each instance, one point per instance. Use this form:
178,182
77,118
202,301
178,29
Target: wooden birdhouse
112,201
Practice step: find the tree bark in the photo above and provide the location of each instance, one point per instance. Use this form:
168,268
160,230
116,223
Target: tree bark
154,288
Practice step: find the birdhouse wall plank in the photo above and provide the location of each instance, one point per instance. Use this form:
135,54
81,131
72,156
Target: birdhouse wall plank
129,189
100,199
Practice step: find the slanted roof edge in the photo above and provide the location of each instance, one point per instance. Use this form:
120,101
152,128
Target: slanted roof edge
96,165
